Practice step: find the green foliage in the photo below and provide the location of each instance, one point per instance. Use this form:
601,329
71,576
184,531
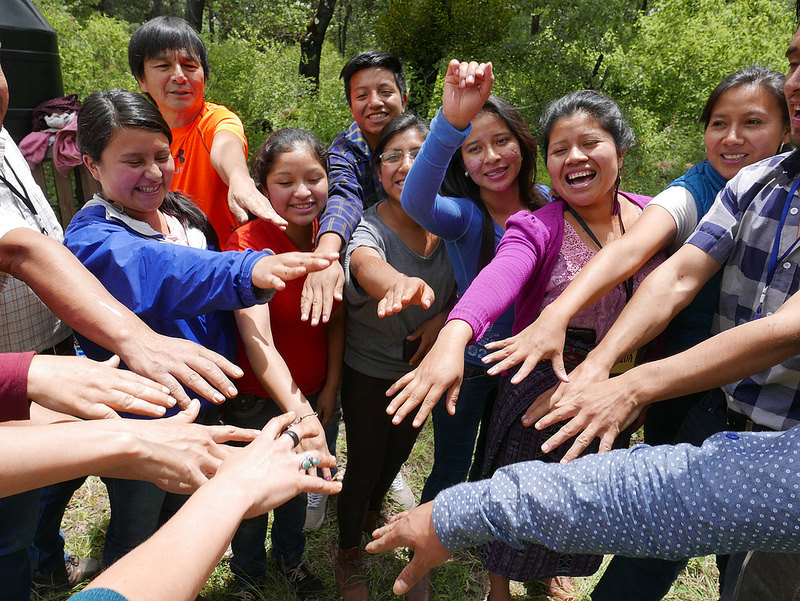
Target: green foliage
263,87
681,50
425,33
258,21
94,52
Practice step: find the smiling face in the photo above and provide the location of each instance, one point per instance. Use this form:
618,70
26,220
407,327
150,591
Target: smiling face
375,100
406,145
792,87
176,82
582,160
297,186
491,154
746,126
135,170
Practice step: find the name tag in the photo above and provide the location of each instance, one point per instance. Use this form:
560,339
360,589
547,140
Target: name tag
624,364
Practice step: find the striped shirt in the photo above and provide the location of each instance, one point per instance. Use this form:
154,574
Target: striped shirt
739,232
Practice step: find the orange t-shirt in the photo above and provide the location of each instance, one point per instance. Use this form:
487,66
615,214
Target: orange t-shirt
303,347
195,176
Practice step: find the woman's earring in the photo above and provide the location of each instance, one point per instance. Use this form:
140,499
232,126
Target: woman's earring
466,174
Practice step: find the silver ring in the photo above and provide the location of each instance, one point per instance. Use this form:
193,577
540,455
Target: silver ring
309,462
293,435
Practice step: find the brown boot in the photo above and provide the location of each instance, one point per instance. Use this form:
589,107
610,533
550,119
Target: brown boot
350,575
421,591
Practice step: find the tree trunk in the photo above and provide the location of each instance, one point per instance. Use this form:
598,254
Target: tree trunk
194,13
344,22
158,9
311,42
107,7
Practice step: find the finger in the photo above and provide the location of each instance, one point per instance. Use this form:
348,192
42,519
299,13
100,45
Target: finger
583,440
189,413
277,424
112,361
327,306
607,441
222,434
539,408
382,304
409,576
452,397
400,384
558,366
556,414
422,349
267,213
176,391
528,365
426,407
338,289
574,427
428,297
214,369
238,212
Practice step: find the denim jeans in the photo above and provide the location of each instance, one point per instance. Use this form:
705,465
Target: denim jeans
454,435
249,561
30,538
17,527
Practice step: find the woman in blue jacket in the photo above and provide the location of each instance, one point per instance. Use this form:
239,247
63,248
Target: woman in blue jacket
149,248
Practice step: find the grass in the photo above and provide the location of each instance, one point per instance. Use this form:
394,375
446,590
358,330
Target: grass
460,578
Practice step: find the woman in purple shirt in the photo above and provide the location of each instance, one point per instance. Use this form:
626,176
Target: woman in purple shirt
584,138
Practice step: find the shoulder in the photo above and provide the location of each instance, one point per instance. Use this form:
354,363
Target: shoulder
219,118
540,226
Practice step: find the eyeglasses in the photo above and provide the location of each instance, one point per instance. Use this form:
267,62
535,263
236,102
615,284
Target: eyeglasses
393,157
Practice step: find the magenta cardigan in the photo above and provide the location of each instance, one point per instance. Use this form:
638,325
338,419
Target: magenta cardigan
520,269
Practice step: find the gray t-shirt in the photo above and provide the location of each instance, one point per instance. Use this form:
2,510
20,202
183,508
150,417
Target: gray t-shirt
373,345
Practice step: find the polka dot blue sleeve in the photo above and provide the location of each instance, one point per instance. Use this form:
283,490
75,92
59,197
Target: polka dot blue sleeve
738,491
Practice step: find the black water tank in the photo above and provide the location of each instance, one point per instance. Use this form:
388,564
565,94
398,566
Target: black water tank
29,56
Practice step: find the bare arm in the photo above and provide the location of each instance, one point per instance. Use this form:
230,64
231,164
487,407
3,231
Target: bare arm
228,159
274,375
393,290
326,401
67,288
172,453
251,482
544,338
594,411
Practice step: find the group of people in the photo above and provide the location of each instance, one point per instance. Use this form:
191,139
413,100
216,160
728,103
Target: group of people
409,268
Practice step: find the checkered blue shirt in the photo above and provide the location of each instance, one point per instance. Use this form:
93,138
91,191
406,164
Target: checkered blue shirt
739,232
353,184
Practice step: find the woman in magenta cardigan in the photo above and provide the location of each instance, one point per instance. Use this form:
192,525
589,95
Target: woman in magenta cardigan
584,138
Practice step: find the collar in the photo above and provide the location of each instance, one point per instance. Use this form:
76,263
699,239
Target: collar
357,138
4,137
115,213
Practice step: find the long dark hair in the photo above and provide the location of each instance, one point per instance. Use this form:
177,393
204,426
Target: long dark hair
278,142
103,114
457,184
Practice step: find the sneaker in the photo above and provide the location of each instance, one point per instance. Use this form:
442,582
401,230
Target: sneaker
305,584
76,570
315,511
401,493
244,594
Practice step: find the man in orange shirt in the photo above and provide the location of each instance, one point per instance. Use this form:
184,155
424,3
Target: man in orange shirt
170,62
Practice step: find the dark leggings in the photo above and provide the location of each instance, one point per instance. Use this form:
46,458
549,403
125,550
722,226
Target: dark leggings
376,450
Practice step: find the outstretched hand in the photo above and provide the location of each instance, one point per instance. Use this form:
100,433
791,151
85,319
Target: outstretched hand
275,270
543,339
403,292
320,290
467,85
269,471
93,390
594,405
412,529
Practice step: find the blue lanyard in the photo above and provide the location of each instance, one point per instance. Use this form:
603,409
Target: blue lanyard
773,257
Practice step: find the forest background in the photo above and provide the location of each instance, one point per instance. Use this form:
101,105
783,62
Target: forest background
276,62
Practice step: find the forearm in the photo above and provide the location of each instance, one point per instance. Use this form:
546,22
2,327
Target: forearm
194,540
228,159
595,504
729,356
39,455
662,295
67,288
373,274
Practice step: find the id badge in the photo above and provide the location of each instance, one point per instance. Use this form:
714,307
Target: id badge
624,364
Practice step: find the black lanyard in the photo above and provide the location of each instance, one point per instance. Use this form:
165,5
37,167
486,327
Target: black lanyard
22,195
590,233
